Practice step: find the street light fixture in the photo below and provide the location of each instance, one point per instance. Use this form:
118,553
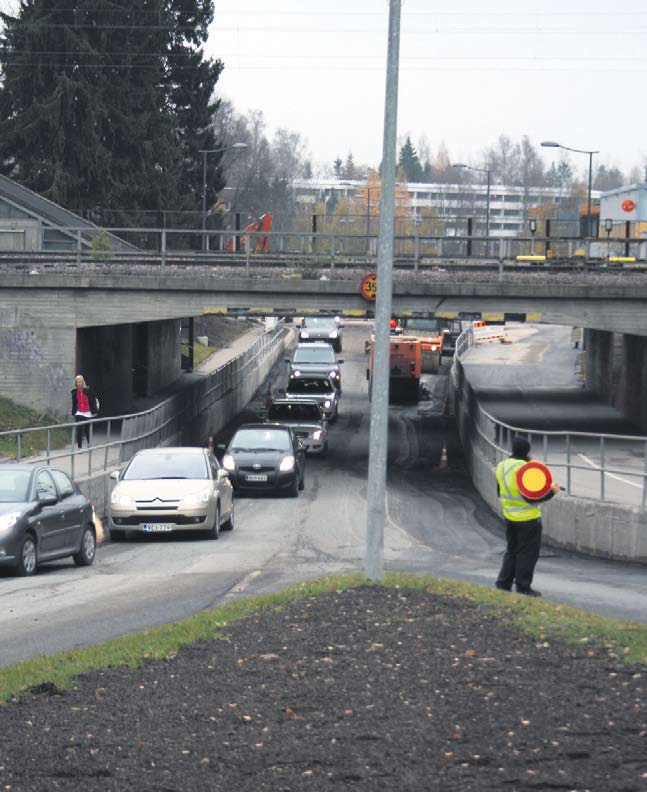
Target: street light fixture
487,199
553,144
204,153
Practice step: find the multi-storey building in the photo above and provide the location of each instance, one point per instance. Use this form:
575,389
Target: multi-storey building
454,204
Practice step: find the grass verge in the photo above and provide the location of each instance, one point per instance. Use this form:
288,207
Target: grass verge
540,618
15,416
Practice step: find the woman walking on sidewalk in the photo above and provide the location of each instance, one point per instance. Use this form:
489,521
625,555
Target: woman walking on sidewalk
84,407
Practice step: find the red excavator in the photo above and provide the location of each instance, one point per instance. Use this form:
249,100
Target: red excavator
261,243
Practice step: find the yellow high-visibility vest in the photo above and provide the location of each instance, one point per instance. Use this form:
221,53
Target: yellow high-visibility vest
515,507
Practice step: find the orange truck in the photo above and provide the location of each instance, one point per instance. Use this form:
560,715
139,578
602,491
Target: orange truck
432,337
405,366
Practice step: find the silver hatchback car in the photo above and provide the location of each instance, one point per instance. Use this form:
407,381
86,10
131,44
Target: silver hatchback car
171,489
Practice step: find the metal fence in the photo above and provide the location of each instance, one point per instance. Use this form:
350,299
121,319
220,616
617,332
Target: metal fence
113,441
589,461
156,245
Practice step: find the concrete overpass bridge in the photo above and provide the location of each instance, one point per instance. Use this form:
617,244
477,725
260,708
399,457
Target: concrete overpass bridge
121,327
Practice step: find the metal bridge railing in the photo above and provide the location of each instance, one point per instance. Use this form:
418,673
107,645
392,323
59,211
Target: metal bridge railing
589,461
157,245
113,441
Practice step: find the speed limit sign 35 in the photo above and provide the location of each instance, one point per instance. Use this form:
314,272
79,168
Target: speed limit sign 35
368,286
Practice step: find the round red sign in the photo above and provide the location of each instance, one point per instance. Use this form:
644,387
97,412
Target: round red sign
628,205
368,286
534,480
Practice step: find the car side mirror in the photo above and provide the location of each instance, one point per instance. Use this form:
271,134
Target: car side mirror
47,500
287,360
115,475
340,361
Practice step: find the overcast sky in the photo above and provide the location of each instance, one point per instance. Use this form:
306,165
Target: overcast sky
573,71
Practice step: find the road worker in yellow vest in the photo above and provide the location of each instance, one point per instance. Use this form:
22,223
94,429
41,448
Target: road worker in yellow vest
522,517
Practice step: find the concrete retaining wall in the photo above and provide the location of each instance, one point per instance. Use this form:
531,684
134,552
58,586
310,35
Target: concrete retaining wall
599,528
203,408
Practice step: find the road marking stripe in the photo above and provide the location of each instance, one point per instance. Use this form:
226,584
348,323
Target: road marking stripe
245,582
611,475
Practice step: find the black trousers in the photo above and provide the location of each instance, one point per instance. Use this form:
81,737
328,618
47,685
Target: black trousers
82,428
521,554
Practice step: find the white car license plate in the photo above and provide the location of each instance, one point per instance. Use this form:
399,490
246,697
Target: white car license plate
256,477
158,527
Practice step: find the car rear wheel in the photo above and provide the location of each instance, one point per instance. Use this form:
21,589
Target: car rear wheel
214,531
27,557
229,525
86,554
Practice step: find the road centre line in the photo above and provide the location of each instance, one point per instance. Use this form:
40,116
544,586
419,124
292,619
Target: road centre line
611,475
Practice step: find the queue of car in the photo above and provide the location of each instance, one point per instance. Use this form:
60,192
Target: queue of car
44,516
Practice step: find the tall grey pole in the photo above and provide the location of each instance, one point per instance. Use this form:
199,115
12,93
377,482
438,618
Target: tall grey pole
204,199
376,512
589,231
487,215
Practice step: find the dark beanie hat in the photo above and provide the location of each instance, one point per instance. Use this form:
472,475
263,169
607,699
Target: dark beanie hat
520,447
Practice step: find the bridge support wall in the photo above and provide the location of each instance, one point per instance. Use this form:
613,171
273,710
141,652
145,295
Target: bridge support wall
616,369
608,530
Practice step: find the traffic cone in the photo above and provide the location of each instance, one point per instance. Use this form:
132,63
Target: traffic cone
443,457
269,398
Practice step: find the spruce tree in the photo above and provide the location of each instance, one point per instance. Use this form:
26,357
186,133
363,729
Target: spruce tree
104,104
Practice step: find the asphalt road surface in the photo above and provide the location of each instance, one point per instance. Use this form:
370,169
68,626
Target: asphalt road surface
436,523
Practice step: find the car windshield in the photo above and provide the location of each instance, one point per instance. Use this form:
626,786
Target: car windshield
432,325
316,355
166,466
294,412
319,323
261,440
311,386
13,485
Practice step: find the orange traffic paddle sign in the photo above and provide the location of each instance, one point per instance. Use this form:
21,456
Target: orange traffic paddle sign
534,480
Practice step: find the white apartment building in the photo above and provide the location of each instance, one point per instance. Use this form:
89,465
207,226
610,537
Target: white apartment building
455,203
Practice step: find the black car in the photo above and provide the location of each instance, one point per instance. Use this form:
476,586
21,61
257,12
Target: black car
316,358
265,457
321,328
43,516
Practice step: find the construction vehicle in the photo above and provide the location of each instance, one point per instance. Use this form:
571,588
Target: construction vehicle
260,243
405,361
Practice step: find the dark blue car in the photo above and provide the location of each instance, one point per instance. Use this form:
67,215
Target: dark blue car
43,516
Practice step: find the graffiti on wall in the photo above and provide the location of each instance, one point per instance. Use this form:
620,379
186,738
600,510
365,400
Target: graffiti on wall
21,346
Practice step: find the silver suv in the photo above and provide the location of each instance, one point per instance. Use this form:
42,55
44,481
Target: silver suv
321,328
306,420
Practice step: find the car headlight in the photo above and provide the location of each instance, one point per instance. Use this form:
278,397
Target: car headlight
287,464
8,521
196,498
316,435
333,374
334,334
304,334
327,404
296,373
117,499
228,462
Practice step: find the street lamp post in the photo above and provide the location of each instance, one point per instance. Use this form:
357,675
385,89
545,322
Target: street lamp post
204,153
552,144
488,172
